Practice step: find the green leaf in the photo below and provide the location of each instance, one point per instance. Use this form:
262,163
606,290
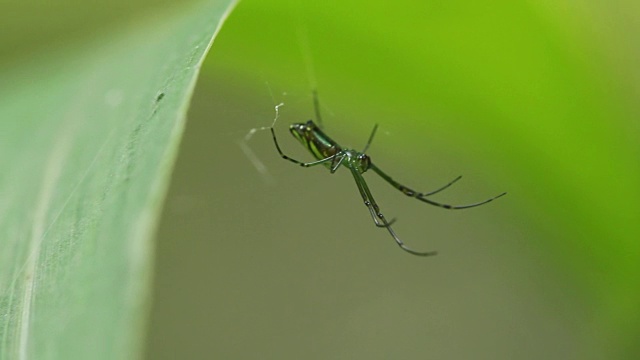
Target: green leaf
89,138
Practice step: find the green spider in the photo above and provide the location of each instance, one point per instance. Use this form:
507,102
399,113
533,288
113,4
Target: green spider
327,152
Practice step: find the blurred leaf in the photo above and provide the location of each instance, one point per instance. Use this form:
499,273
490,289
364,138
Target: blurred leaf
89,137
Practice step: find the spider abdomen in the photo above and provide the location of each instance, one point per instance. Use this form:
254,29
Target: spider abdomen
316,141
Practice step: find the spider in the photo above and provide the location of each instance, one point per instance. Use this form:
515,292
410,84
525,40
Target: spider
328,153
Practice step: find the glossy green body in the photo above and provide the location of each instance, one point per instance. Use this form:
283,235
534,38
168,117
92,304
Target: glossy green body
322,147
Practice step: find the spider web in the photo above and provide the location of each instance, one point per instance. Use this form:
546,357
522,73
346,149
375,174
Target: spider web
305,50
251,155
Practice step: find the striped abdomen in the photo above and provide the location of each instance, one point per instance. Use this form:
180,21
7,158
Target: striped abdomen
317,142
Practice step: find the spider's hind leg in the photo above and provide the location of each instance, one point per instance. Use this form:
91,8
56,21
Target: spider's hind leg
377,216
423,196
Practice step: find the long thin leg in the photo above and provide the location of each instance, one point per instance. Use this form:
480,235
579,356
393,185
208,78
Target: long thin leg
371,205
366,147
336,163
303,164
373,133
422,197
444,187
377,216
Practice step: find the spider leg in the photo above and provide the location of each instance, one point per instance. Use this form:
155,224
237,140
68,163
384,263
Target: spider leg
377,216
303,164
336,163
385,176
371,205
373,133
444,187
422,197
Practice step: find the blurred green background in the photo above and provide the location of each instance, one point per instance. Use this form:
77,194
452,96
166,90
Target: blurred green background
539,99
